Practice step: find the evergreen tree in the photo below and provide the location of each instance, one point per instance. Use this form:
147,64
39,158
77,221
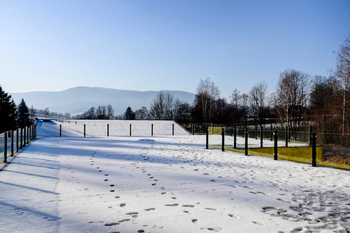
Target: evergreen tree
129,114
23,115
7,112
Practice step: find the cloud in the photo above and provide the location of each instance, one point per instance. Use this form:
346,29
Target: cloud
14,38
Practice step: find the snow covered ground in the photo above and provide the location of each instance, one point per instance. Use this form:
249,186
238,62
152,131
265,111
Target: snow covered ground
95,128
165,184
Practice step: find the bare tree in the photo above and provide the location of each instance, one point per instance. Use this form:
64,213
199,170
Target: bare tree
235,98
258,100
343,74
32,113
162,106
292,95
141,114
110,112
207,94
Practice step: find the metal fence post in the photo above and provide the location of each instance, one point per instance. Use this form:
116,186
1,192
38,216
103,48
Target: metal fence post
17,139
246,142
60,130
261,136
314,149
223,139
207,139
310,134
256,132
235,137
151,129
84,130
21,138
12,151
275,157
271,134
5,147
25,136
107,130
173,130
130,130
286,136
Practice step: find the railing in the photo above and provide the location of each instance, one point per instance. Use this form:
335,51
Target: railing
283,143
13,140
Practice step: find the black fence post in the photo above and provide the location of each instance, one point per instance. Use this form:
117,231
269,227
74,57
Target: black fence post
60,130
5,147
261,136
151,129
271,133
21,138
17,139
314,149
235,137
207,139
107,130
310,134
173,130
275,157
223,139
84,130
286,136
12,147
246,142
256,132
25,136
130,130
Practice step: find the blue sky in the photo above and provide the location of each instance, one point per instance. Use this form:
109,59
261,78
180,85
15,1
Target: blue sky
166,45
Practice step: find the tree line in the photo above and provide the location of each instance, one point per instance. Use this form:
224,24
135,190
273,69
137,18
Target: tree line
298,98
12,116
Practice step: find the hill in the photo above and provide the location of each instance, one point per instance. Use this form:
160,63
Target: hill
79,99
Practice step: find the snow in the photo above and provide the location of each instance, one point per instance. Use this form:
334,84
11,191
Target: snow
165,184
75,128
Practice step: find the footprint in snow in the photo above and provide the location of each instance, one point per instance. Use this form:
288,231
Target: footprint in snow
149,209
191,206
171,204
210,209
216,229
194,220
111,224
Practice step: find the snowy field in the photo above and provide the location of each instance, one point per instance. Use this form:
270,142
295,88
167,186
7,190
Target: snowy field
98,128
165,184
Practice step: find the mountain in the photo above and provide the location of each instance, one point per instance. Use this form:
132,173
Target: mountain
79,99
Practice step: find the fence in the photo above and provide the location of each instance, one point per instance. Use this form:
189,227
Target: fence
282,143
12,141
103,128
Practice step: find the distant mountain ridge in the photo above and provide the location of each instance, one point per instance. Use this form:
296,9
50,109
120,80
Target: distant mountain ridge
79,99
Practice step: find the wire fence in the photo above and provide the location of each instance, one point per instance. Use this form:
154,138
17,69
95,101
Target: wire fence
291,144
103,128
12,141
